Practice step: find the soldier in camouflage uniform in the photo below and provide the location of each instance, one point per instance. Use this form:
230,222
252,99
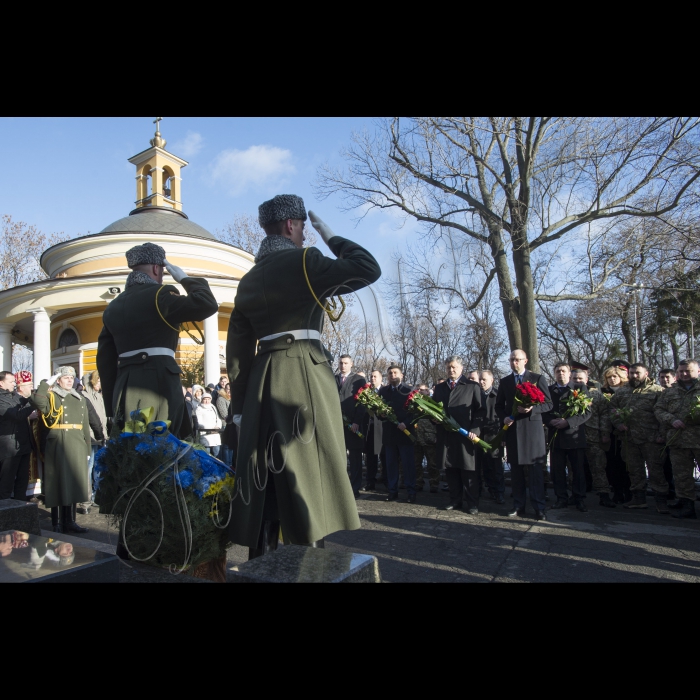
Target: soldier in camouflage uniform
595,447
425,447
672,410
641,445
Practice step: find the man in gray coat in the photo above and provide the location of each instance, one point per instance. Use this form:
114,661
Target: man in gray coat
291,467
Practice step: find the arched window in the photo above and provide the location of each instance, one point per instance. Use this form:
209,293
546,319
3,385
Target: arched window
68,337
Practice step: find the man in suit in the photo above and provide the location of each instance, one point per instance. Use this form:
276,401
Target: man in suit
570,441
348,384
373,438
525,439
396,442
490,464
461,399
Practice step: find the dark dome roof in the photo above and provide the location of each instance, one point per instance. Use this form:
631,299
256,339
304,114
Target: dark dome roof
157,220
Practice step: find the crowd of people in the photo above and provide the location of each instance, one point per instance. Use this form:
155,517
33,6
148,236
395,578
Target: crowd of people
633,437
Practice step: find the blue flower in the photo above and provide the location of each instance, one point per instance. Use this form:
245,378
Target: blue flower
185,478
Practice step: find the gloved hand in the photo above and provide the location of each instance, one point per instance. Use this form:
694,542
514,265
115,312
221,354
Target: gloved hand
323,229
52,380
177,273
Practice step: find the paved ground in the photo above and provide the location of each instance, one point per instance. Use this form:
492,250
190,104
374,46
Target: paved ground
422,543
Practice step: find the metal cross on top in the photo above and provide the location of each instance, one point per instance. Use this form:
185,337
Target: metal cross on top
156,122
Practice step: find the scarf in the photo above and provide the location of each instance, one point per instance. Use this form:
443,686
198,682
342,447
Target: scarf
271,244
138,277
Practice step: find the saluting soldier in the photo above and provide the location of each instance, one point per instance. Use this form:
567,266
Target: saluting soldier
292,467
136,348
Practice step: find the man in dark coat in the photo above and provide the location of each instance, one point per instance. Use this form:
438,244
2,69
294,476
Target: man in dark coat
348,384
136,348
291,468
461,399
373,438
525,439
397,445
490,464
570,441
15,443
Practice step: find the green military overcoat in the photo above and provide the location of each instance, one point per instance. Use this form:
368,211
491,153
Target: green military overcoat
66,453
287,395
132,322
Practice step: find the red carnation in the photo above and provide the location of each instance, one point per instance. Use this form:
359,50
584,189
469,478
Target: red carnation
410,396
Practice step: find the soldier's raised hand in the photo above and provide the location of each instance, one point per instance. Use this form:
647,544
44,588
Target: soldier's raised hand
177,273
323,228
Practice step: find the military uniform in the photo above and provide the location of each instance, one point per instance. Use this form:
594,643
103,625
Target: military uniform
640,446
425,447
674,404
136,348
595,448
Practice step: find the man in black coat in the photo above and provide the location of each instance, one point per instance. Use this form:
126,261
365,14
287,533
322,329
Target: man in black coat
461,399
525,439
373,438
490,464
570,441
348,384
15,442
396,442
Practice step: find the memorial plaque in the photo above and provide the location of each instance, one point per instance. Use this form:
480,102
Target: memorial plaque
28,558
295,564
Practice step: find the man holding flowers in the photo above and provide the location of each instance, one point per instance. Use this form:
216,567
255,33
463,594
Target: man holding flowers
678,411
525,443
571,408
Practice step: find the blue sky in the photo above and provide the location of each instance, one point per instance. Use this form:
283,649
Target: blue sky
71,175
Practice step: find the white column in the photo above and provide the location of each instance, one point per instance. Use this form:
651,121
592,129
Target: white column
211,350
42,345
6,347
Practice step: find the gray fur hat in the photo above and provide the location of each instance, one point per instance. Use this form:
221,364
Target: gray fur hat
65,371
146,254
280,208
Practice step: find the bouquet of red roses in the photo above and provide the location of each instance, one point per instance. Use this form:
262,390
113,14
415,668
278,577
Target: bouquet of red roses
376,406
425,407
526,394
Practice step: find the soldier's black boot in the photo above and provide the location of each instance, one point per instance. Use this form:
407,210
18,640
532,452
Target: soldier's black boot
69,524
677,504
638,500
661,504
687,510
55,524
267,541
605,500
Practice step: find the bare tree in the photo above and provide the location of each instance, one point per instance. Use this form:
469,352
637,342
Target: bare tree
518,184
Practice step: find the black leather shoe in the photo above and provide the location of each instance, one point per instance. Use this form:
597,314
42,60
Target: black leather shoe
368,487
392,497
411,498
499,499
540,515
581,506
453,506
520,512
74,527
561,503
473,511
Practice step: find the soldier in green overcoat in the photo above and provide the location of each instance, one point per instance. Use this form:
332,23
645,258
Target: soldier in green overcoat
136,348
291,466
64,414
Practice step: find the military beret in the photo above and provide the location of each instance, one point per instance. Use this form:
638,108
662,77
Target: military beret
146,254
281,208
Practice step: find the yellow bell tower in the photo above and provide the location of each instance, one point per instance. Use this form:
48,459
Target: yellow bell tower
158,175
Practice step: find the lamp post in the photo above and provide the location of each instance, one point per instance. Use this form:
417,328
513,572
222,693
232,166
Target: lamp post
633,290
692,332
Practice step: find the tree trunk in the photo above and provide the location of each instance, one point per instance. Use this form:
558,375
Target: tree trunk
627,333
674,350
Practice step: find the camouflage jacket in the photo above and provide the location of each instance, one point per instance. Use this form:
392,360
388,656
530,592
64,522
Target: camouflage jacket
599,422
643,426
675,404
425,431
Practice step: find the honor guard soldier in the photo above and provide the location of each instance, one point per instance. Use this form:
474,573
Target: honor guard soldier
136,348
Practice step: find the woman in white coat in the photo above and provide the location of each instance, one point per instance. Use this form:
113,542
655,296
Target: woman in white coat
209,425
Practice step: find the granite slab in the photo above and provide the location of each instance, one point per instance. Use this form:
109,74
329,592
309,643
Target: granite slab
19,515
295,564
29,558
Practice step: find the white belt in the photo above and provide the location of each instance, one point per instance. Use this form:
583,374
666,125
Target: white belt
150,351
301,334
